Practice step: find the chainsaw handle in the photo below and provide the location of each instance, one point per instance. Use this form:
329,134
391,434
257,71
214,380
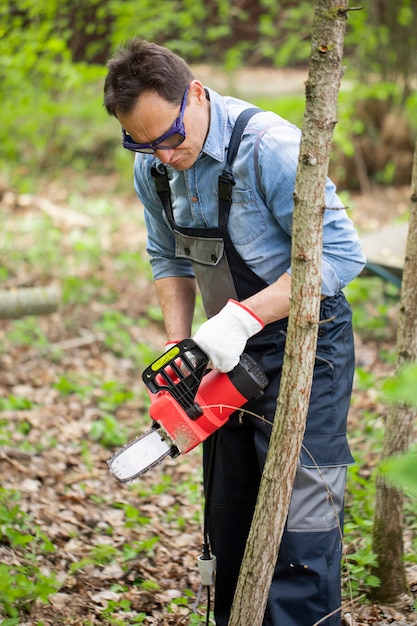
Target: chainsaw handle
182,360
179,372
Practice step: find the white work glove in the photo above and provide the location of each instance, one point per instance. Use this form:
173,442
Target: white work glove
223,337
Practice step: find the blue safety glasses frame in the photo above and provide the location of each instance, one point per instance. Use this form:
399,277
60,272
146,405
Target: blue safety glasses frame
168,141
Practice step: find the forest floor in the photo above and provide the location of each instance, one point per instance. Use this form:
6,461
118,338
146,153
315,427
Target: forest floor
121,554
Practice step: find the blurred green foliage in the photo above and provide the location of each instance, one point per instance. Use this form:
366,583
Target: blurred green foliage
401,469
53,56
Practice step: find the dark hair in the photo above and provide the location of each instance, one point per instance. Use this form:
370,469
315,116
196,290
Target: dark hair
140,66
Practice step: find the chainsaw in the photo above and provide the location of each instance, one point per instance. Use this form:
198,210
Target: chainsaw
189,403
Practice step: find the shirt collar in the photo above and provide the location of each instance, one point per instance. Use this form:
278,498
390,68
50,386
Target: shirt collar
214,144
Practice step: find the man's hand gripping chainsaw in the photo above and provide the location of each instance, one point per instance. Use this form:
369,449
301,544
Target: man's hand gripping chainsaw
188,404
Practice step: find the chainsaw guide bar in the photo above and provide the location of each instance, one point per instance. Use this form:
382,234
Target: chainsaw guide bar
141,455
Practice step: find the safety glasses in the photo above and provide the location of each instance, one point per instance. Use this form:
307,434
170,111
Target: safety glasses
169,140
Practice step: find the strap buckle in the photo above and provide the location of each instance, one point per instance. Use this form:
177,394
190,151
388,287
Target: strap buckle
226,182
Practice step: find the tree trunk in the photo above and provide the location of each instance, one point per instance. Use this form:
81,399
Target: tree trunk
325,73
16,303
388,520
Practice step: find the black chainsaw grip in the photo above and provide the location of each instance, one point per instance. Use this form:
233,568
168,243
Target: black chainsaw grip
248,378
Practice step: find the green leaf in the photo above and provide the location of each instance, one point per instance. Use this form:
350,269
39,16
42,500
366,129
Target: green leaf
401,471
402,389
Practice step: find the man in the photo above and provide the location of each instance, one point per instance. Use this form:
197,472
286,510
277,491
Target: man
237,250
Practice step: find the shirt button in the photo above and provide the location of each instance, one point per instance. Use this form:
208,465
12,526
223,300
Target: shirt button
194,199
187,251
213,257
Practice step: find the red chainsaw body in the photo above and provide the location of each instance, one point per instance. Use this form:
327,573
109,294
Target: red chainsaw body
216,396
188,402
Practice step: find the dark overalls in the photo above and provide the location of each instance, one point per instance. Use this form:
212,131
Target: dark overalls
306,585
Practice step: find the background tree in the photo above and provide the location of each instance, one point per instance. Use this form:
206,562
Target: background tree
388,50
325,73
389,515
52,58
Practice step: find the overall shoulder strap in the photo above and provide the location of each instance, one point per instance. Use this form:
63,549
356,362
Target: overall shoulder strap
160,176
226,179
238,129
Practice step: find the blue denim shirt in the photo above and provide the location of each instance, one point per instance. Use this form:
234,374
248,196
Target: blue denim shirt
260,221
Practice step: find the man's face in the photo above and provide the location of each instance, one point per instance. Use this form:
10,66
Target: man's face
153,116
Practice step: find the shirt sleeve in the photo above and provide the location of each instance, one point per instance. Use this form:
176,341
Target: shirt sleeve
343,258
160,243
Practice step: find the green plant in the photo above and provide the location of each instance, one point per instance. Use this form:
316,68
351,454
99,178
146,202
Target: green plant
116,328
118,607
128,263
108,396
373,302
15,525
149,585
108,432
187,600
14,403
28,332
77,290
364,378
400,470
54,53
402,389
69,384
359,506
37,67
359,558
22,583
163,485
33,240
146,546
113,394
290,107
133,515
22,586
360,577
86,247
386,27
387,175
410,515
101,554
5,435
15,433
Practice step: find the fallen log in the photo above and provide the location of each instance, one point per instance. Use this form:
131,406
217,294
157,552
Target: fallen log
15,303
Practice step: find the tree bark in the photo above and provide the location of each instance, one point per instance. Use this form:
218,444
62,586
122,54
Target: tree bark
387,541
15,303
325,73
